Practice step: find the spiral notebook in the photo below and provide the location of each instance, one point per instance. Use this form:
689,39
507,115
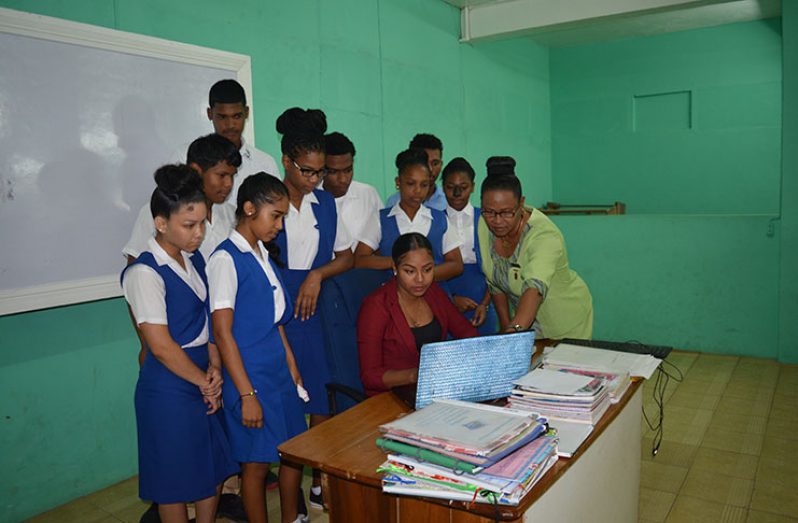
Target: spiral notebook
473,369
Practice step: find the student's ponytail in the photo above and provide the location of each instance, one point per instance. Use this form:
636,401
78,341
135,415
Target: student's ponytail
260,189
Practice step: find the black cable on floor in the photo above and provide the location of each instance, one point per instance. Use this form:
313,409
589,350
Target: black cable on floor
663,377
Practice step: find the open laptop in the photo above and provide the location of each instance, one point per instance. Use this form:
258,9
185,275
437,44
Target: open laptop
473,369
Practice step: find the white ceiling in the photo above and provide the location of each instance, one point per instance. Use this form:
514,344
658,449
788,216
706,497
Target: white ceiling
563,23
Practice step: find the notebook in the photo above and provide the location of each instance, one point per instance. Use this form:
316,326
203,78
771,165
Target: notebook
473,369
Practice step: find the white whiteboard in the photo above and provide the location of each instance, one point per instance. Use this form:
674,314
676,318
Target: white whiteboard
86,116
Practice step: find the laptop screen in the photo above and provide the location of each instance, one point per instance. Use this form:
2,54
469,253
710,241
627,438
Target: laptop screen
473,369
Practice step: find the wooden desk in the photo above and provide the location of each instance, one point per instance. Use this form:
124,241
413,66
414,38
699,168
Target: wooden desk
600,483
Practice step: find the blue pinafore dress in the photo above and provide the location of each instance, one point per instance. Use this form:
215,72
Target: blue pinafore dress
472,284
183,452
307,337
263,355
390,232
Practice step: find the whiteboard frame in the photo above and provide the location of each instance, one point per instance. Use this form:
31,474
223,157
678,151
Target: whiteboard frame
65,31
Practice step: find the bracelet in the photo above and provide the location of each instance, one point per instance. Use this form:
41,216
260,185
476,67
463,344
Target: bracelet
253,392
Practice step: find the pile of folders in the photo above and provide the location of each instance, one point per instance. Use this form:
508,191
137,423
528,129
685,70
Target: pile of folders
467,452
585,402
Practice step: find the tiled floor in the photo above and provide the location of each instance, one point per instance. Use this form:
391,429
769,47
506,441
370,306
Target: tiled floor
120,502
729,446
728,451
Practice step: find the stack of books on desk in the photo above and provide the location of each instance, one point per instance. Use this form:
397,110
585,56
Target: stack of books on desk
617,382
466,451
562,395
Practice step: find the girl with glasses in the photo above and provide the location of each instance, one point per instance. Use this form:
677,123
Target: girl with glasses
526,263
314,245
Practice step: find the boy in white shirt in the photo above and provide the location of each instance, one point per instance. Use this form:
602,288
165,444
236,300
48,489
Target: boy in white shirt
355,201
217,160
228,111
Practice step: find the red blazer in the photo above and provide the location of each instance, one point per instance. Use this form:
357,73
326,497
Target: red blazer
384,339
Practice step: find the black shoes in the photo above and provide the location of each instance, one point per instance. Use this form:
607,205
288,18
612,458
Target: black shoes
316,500
302,509
151,516
231,507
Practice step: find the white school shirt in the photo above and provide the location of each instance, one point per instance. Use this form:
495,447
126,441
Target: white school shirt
463,221
223,278
222,214
303,236
253,161
145,291
372,232
356,207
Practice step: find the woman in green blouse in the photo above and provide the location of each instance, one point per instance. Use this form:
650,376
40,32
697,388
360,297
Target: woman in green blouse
526,264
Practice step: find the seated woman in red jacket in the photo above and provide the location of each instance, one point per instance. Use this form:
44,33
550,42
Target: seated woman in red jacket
402,315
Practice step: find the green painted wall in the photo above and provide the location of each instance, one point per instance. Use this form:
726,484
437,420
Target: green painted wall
696,262
66,404
680,280
381,70
788,332
610,146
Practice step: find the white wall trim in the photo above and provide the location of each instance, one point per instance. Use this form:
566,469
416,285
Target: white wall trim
64,31
57,294
59,30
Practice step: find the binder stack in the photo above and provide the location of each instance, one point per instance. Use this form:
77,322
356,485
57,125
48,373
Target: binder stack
466,451
560,395
617,381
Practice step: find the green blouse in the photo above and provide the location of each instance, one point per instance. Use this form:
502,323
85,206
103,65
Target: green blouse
540,261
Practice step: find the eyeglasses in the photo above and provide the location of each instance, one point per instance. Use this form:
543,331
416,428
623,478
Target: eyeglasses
310,173
505,215
333,172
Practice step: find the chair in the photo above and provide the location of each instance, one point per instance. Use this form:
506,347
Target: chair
338,305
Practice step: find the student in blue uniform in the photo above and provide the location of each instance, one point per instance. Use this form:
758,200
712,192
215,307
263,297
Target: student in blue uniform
469,290
409,215
262,383
183,452
433,146
314,245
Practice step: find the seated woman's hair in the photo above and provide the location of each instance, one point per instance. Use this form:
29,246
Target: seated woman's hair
177,185
409,242
411,157
303,131
501,176
458,165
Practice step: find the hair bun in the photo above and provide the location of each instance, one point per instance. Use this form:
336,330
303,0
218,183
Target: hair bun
173,180
302,121
500,166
